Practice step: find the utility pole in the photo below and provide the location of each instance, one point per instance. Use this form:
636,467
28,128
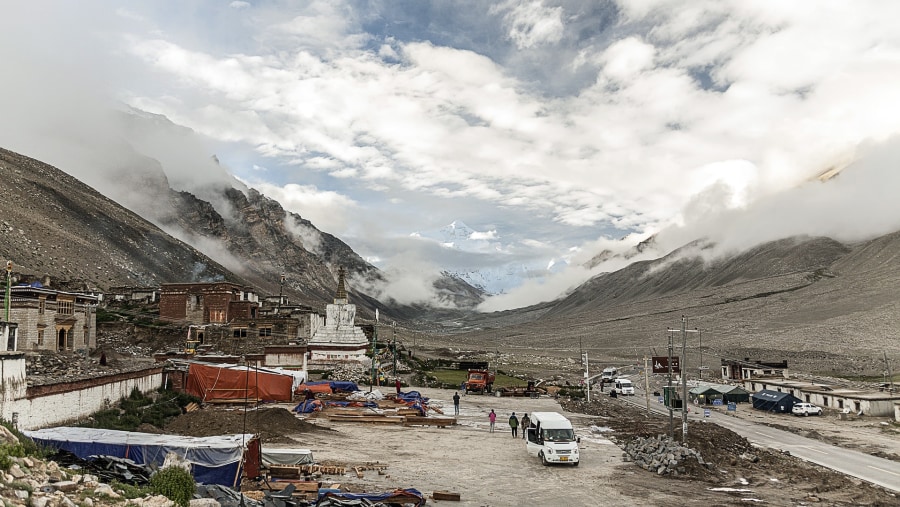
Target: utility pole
8,284
394,344
374,350
683,368
700,335
647,383
670,394
587,385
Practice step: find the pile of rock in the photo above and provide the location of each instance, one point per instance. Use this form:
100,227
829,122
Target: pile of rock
35,483
661,455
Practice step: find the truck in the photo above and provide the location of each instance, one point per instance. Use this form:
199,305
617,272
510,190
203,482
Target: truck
550,437
479,381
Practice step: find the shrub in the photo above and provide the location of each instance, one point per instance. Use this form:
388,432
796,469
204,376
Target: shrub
26,446
130,491
175,483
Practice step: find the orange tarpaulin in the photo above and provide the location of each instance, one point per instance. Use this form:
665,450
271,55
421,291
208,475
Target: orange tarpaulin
323,387
215,382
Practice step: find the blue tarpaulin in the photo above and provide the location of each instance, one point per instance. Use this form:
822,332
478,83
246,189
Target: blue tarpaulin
214,460
344,386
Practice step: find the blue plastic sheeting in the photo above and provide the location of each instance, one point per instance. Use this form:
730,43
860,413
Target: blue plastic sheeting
344,386
337,385
400,496
214,460
308,406
412,396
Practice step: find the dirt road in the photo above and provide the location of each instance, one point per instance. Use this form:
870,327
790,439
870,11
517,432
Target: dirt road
494,469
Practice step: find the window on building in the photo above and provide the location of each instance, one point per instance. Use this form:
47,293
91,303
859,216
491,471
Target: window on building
265,331
217,315
824,401
857,406
240,332
65,307
840,404
42,305
40,338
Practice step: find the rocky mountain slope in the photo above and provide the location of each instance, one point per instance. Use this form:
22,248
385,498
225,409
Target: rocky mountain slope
822,305
54,225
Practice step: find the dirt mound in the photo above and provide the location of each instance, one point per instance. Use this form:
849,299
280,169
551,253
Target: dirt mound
273,425
734,459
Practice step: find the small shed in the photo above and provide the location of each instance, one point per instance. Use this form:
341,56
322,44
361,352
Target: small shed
734,394
774,401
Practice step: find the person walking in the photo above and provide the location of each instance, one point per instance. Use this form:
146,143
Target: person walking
493,418
514,425
456,403
526,421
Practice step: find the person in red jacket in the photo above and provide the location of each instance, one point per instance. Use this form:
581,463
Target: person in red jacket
397,384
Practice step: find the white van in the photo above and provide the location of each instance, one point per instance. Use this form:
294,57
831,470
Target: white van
623,387
609,373
550,437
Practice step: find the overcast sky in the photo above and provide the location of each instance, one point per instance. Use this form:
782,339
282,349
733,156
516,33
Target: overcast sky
554,129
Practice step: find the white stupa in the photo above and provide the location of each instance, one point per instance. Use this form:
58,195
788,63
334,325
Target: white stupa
339,339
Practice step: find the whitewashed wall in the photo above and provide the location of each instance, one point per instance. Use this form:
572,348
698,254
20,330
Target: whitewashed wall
52,405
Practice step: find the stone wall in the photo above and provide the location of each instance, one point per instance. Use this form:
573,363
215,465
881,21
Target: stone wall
54,404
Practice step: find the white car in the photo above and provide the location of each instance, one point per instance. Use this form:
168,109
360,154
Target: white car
806,409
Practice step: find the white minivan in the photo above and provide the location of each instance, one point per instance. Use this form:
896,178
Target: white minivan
550,437
623,387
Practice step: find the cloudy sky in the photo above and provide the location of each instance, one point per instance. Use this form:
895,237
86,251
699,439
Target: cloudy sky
553,129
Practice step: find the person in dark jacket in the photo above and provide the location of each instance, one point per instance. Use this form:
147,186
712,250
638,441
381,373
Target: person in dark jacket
526,421
514,425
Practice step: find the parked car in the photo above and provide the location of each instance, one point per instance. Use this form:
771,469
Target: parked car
806,409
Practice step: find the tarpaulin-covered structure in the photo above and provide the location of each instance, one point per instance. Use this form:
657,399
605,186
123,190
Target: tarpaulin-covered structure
214,460
328,387
414,399
774,401
734,394
704,395
271,456
234,382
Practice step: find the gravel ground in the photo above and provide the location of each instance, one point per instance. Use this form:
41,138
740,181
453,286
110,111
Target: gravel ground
494,469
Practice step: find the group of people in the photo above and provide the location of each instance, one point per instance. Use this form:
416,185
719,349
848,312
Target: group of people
514,423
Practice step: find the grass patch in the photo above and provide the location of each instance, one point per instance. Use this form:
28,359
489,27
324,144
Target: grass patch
139,409
456,377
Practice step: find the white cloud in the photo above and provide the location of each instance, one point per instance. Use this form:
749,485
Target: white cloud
328,210
674,113
531,24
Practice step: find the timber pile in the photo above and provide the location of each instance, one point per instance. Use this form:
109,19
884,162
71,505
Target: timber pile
298,471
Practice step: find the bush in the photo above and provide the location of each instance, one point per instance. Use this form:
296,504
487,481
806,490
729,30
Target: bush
175,483
26,446
130,491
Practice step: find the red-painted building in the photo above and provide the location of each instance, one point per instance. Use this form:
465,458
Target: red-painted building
207,303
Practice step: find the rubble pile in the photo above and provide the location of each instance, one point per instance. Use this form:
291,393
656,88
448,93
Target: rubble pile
351,373
661,455
34,483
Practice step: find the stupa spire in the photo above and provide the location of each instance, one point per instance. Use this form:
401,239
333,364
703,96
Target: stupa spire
341,296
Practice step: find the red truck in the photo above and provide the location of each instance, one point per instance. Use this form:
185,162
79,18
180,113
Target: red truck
479,381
